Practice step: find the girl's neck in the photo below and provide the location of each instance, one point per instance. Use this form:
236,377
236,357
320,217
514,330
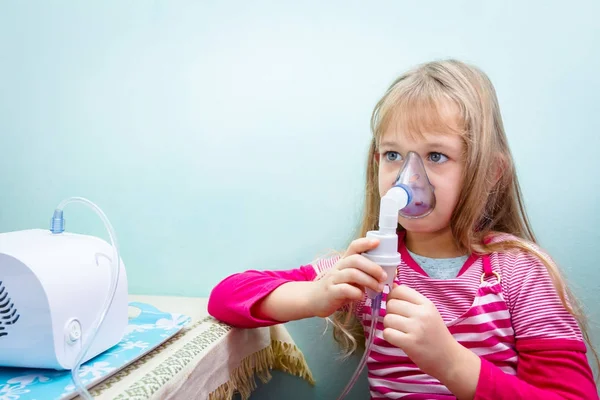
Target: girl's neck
439,244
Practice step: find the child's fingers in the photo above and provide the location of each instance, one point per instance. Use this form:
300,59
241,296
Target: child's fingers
398,322
348,291
395,337
362,263
358,277
360,246
403,292
403,308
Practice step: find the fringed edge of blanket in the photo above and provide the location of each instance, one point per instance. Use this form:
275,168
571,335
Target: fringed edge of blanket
283,356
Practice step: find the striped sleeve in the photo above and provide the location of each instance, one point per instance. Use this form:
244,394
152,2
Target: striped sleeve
322,265
534,304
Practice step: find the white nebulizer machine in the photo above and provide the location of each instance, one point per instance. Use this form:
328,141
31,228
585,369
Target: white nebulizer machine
411,196
63,296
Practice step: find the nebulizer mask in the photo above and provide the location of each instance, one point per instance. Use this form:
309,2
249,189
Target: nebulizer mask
411,196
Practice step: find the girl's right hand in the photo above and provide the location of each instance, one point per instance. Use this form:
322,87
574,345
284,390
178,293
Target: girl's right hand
347,279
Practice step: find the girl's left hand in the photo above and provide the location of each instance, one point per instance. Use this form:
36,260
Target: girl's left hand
413,324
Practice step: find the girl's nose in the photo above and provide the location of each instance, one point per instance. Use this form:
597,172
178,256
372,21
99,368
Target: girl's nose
413,177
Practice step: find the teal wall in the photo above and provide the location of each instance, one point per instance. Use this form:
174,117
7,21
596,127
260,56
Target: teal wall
222,136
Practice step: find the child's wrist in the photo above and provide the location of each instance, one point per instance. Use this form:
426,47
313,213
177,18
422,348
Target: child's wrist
311,301
301,299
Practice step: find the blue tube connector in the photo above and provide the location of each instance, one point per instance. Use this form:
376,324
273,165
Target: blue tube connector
57,224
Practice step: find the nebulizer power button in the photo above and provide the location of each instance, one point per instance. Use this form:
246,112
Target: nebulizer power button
73,331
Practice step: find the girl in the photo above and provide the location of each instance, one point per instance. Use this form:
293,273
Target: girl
478,311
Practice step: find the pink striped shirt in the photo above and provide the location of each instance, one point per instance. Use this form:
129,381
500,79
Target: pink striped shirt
530,346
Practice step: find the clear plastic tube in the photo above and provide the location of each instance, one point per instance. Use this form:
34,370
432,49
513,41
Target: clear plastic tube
375,307
116,263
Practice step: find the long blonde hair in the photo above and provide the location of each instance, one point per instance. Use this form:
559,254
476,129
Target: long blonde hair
491,200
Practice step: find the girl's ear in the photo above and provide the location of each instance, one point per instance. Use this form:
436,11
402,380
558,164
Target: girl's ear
376,156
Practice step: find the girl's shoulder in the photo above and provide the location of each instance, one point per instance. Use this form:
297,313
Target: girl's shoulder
508,249
537,297
521,262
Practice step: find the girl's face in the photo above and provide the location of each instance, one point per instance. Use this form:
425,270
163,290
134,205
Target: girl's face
442,155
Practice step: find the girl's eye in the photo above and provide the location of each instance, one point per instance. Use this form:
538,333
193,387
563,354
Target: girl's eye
392,156
437,158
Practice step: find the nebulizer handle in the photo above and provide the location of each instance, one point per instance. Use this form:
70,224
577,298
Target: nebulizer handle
411,196
57,226
387,256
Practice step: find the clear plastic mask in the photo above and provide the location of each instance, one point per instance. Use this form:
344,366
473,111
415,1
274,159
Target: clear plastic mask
413,177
